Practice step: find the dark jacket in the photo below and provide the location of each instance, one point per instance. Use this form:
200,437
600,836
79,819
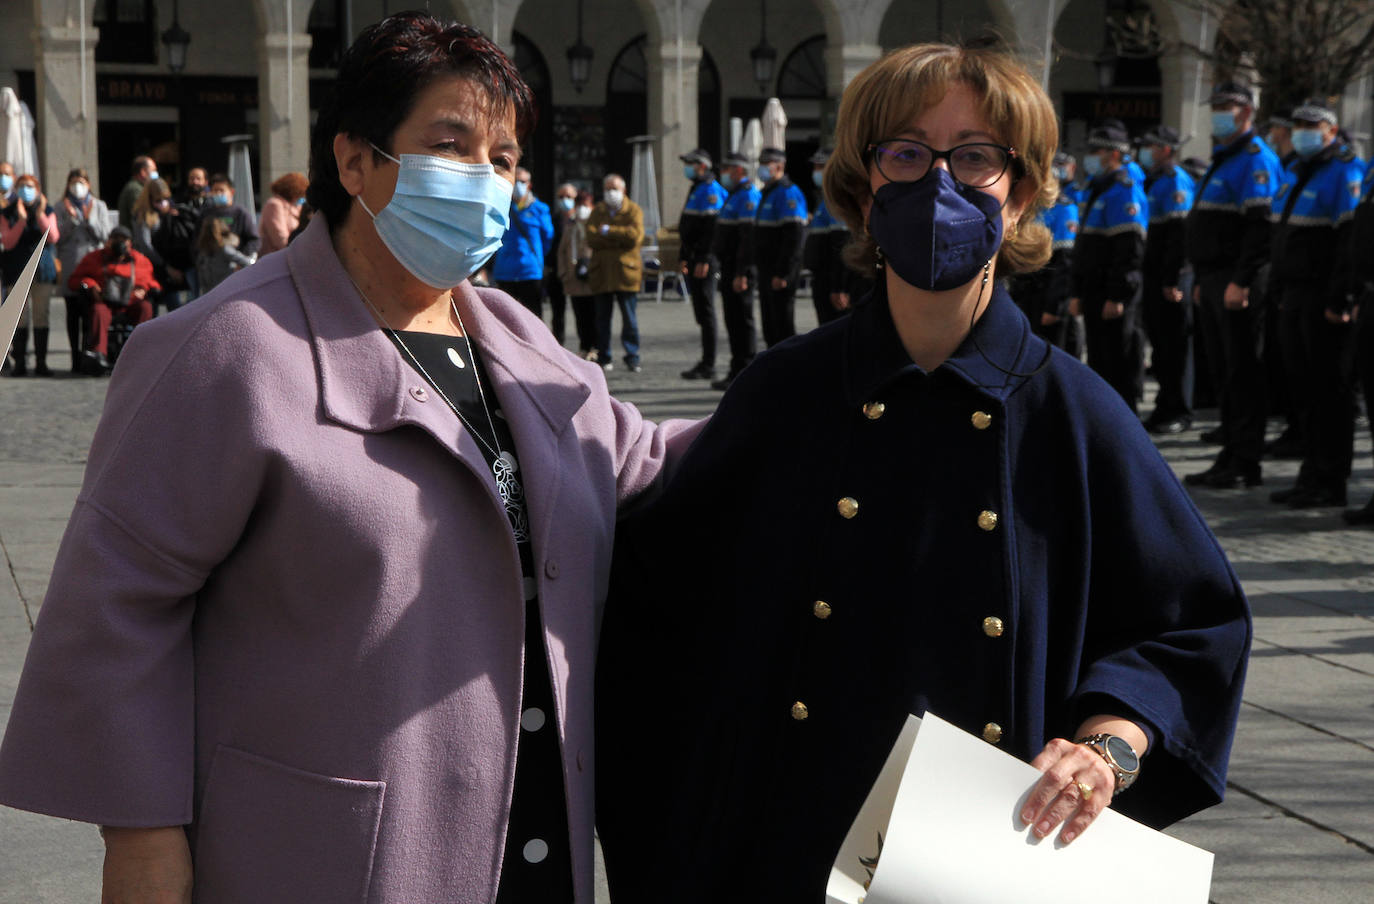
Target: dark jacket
779,230
1228,227
1021,558
1110,248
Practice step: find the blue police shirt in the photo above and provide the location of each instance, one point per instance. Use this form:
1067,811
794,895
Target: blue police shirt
1121,207
823,221
785,204
1171,196
1329,198
707,198
740,207
1061,219
1242,181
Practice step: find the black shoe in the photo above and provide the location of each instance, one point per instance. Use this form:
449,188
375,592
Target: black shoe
1212,436
1227,477
1360,517
1170,426
20,368
1286,446
699,371
1317,497
1282,496
724,382
42,370
94,364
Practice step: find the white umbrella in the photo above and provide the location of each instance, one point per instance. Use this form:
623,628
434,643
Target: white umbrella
241,171
752,142
774,124
16,135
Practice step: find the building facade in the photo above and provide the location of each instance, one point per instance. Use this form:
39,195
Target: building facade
96,74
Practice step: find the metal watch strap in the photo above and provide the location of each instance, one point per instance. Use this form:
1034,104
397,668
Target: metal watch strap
1098,744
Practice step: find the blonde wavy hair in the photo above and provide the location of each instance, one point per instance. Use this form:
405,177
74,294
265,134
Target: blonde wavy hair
884,98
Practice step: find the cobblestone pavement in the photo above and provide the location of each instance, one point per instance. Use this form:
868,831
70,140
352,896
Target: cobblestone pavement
1298,822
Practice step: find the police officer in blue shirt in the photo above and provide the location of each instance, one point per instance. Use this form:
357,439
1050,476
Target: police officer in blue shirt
1227,242
1167,305
832,283
695,229
732,244
1043,296
1107,261
1313,213
779,230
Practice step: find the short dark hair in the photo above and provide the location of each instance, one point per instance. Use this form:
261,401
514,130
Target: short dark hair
140,162
220,179
381,76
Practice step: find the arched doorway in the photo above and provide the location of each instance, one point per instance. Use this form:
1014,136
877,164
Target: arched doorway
627,95
538,147
1129,90
802,88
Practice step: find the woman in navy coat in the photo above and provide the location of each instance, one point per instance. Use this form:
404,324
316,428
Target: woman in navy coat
922,506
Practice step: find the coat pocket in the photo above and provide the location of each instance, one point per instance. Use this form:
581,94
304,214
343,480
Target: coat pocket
268,833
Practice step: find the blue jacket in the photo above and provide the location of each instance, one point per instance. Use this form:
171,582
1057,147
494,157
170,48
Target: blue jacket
1021,558
698,222
1110,250
732,243
1171,197
1311,219
780,230
1228,227
525,244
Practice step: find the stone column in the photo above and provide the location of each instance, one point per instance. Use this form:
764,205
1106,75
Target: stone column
672,115
844,61
283,104
1186,80
66,126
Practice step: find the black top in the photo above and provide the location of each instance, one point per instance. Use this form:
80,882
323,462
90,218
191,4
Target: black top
537,864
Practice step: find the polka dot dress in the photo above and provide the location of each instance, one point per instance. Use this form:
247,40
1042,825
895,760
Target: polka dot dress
537,862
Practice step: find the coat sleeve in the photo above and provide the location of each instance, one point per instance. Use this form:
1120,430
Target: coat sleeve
1167,628
102,728
629,235
645,451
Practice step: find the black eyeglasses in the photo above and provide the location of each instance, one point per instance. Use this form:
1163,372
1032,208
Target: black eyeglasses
976,165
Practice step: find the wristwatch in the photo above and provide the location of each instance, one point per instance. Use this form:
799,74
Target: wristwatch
1120,756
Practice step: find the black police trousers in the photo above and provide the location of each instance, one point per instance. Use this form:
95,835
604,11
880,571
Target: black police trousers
1235,352
777,309
1314,356
702,291
1115,348
1169,327
737,310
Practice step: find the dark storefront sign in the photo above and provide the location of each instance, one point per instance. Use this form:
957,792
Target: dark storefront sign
1139,111
167,91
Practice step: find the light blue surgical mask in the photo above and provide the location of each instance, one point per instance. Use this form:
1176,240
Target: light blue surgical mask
152,175
521,189
6,182
444,219
1223,124
765,174
28,194
1062,174
727,180
1308,141
1092,165
690,171
566,203
818,178
1147,158
220,198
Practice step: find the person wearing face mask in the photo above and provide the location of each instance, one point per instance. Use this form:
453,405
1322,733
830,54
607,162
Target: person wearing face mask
156,229
326,611
1314,211
822,253
695,228
235,219
733,245
518,266
564,212
917,507
6,183
281,213
1108,254
117,276
1043,296
23,224
1226,236
615,232
1166,304
1279,136
574,260
143,171
779,231
82,220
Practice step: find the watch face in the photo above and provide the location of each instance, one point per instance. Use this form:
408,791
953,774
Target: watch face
1123,753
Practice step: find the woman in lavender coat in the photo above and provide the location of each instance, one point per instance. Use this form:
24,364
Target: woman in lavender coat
322,624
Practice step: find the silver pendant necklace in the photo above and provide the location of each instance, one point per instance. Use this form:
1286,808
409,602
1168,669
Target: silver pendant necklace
504,464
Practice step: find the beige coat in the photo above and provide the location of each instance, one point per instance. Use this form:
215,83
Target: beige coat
572,247
616,264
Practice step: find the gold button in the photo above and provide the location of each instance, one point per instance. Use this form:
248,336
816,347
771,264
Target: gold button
821,609
987,520
874,410
992,626
992,733
981,420
848,507
799,711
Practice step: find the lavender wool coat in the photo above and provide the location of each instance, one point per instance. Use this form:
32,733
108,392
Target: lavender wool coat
288,610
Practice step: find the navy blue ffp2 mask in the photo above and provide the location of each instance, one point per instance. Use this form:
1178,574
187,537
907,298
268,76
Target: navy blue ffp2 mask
935,233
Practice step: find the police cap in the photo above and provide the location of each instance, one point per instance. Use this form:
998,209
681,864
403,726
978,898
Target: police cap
1232,93
697,155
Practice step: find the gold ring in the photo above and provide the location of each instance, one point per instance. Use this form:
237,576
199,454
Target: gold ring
1085,789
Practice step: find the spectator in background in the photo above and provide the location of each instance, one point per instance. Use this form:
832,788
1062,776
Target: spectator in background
518,265
218,253
574,258
281,215
564,211
115,276
6,183
22,226
144,171
153,212
196,195
83,224
615,231
223,209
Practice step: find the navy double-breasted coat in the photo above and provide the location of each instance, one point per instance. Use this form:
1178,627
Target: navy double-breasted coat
852,539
